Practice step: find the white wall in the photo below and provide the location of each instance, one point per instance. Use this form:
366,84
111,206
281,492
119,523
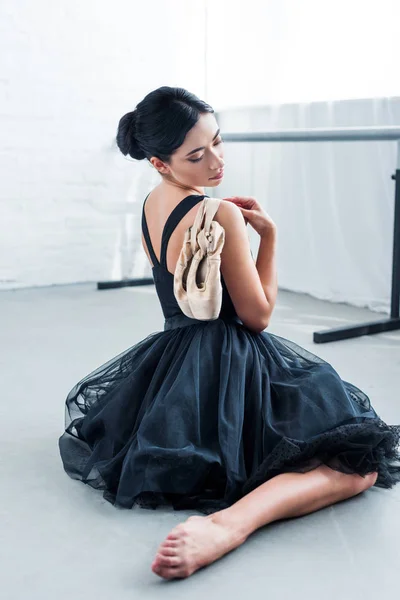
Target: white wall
69,71
263,52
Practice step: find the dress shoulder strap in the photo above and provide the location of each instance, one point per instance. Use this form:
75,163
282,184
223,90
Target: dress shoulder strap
146,234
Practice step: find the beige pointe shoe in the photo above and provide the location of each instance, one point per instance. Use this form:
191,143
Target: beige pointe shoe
197,277
181,273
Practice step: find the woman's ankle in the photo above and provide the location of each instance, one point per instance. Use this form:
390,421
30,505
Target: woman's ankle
240,530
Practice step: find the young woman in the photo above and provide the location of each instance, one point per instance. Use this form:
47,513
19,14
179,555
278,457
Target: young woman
219,416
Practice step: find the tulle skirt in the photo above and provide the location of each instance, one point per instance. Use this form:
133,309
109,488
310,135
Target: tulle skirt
198,415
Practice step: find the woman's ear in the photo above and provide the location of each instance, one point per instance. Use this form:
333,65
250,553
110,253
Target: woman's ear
159,165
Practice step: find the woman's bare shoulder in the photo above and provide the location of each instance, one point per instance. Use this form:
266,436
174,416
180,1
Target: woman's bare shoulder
239,270
228,212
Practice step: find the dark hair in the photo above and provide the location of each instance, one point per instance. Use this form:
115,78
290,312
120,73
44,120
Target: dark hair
159,123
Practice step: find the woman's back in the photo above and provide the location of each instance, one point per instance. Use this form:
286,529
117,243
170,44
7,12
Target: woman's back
164,222
158,207
165,218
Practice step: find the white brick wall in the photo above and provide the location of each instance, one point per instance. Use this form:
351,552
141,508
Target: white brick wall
68,72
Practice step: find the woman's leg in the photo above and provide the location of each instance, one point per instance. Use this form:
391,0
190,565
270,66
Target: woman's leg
294,495
201,540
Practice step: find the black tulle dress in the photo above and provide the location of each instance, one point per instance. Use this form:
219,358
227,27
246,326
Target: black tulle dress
199,414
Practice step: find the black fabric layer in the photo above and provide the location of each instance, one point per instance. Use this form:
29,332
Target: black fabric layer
201,413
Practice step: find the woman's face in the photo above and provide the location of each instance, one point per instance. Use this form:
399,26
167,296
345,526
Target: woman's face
199,159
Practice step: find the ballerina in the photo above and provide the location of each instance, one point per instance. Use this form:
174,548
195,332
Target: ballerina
219,416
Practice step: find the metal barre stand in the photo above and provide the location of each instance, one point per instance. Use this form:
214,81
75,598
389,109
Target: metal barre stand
315,135
344,333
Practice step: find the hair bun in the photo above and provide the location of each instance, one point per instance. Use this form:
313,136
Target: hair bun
126,136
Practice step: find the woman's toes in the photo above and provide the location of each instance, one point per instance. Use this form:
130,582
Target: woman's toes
168,572
170,544
161,571
178,532
169,561
166,559
168,551
172,572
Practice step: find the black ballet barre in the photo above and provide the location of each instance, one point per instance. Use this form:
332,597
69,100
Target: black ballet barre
120,283
347,134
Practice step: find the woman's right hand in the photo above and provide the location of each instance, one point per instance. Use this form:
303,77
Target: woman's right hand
253,213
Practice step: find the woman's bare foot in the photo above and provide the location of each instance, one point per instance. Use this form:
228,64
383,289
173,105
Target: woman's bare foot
193,544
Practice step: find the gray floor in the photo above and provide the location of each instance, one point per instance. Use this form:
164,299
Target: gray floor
61,539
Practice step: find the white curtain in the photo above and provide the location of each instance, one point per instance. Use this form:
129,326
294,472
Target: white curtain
333,202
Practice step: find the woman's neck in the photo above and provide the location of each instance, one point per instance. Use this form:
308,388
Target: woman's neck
167,185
